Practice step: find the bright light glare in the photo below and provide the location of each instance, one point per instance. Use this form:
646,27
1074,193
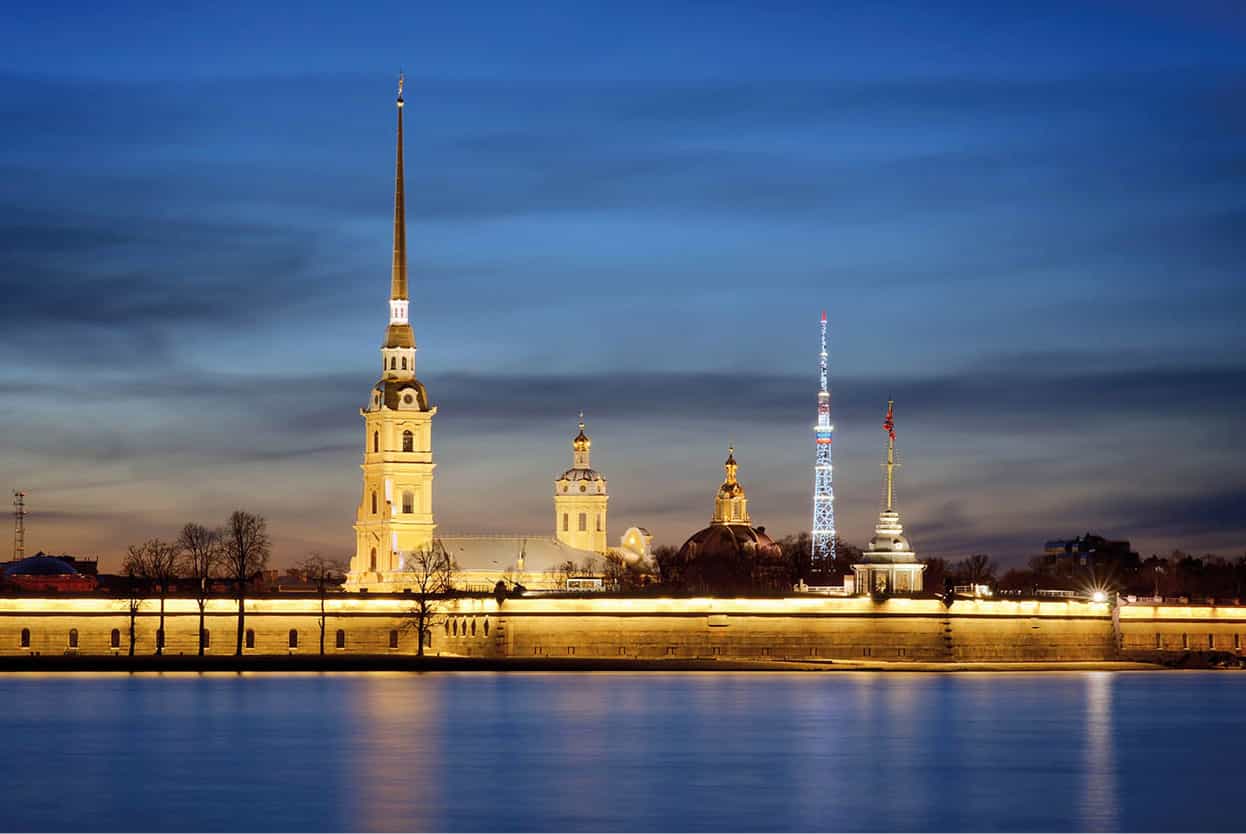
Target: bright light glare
1099,596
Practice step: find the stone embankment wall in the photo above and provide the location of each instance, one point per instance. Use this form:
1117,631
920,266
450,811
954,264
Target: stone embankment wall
1145,629
796,627
803,627
809,627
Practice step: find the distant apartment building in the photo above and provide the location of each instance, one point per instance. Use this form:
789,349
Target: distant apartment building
1091,551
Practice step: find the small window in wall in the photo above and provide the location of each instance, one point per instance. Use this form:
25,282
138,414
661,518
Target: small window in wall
25,639
408,441
599,522
867,652
570,649
564,522
486,628
1211,641
374,503
376,444
114,639
294,638
1185,641
340,641
1159,641
404,363
670,649
447,627
1237,641
393,364
622,651
408,502
393,638
373,562
473,628
583,522
250,640
455,628
206,637
73,638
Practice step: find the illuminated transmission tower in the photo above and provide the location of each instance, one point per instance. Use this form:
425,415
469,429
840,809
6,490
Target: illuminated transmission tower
19,525
823,556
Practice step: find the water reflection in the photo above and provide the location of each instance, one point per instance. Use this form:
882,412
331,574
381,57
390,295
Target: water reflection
1099,799
852,752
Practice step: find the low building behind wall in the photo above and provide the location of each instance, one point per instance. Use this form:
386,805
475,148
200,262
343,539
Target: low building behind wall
897,629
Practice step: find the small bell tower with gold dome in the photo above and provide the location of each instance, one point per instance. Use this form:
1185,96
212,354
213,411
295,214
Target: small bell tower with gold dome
580,500
731,505
395,514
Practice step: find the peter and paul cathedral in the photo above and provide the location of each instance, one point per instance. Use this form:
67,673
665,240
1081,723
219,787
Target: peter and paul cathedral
395,514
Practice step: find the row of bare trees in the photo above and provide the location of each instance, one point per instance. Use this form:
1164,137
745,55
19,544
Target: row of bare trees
237,551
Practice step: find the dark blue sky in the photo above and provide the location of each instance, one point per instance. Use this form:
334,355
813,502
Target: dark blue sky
1027,227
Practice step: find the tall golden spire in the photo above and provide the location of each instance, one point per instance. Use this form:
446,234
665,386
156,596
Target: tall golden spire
399,334
889,425
398,281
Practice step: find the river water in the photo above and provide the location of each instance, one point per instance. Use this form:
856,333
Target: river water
604,751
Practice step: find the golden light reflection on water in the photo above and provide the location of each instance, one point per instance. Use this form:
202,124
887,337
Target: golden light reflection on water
393,772
1098,804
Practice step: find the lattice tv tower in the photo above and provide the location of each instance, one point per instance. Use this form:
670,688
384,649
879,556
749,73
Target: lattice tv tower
19,525
823,534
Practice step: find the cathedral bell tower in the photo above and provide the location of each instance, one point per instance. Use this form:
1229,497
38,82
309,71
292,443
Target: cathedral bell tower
395,515
730,504
580,500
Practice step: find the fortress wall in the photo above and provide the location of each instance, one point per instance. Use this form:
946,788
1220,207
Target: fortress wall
367,623
800,628
793,628
1030,630
1146,628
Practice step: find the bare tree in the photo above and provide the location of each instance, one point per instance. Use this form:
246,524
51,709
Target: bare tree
201,559
322,573
155,560
977,569
162,561
431,576
137,584
246,548
556,576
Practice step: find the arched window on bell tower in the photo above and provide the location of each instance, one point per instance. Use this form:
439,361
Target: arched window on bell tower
376,443
374,502
408,441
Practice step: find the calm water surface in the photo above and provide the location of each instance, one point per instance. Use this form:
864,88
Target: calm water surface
723,752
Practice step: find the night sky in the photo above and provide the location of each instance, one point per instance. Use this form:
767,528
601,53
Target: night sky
1027,228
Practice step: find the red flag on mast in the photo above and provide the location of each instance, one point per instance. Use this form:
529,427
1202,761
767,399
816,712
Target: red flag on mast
889,424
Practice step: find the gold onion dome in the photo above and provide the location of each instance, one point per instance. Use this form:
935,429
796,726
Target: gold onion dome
731,487
582,443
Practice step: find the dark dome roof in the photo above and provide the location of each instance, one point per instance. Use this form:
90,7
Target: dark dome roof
730,558
392,390
40,565
581,475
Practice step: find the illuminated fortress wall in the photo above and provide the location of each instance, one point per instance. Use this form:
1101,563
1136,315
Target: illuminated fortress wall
1146,629
797,628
